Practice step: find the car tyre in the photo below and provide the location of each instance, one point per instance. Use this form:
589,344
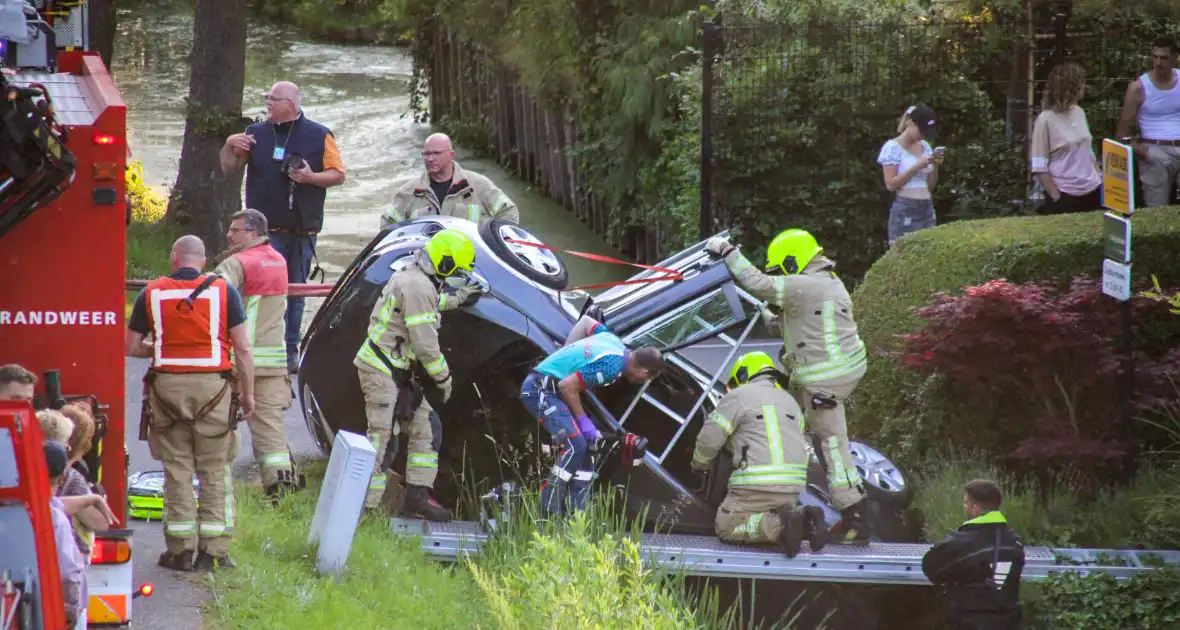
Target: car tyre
884,481
490,233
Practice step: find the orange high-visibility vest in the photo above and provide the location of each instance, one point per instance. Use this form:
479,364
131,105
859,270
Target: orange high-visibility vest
189,337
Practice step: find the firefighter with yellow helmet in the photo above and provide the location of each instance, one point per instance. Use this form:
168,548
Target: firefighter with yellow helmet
403,329
822,350
763,427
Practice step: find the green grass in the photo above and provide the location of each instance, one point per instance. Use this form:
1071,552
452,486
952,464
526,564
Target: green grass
1055,514
581,574
388,583
148,247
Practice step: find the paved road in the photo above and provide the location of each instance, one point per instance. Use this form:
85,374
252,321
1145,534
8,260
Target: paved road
176,601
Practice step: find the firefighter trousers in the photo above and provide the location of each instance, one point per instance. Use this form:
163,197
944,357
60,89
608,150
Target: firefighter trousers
268,437
823,408
748,515
424,437
187,444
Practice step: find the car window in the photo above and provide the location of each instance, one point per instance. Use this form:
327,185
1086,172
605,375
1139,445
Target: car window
704,317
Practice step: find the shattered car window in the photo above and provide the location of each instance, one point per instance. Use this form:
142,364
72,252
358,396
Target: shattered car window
698,319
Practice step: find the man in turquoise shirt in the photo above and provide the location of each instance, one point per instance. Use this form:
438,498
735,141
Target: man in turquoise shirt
592,356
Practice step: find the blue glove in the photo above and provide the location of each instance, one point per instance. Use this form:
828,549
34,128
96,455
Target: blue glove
586,426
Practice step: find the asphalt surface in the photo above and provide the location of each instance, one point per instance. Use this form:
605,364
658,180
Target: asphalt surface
175,603
177,599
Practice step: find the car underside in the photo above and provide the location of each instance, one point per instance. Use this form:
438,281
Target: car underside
525,313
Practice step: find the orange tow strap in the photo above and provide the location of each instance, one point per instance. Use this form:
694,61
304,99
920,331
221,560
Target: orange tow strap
670,274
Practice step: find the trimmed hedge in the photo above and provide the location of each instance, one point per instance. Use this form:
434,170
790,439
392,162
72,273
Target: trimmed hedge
953,256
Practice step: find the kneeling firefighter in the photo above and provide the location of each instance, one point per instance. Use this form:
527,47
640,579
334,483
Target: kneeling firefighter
403,328
763,427
821,348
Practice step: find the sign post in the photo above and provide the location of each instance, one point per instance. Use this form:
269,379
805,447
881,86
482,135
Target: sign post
1118,194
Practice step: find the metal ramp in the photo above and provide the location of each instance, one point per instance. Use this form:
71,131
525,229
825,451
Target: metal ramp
875,563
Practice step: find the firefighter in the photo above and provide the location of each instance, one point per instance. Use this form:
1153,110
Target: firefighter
259,273
762,426
822,350
190,411
403,328
979,566
592,355
446,188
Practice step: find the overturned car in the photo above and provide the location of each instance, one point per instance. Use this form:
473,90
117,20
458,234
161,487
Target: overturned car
700,321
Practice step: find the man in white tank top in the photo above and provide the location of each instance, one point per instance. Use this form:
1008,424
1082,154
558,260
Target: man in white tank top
1153,100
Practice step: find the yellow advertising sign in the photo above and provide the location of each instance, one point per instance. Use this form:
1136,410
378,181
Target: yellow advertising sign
1118,177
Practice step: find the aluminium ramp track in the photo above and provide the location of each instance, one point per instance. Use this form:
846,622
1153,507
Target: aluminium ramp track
876,563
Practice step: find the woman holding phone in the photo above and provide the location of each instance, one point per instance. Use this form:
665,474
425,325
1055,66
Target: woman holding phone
910,168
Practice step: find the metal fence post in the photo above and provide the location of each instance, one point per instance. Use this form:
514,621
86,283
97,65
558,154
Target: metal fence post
1061,12
709,35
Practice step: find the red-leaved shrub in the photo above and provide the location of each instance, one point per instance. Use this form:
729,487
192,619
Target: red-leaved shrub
1044,366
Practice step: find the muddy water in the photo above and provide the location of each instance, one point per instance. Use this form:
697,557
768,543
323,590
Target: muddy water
360,92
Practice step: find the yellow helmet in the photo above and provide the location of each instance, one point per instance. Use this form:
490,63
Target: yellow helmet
791,251
748,366
450,250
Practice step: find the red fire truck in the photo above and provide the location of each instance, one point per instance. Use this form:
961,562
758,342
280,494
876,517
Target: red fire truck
63,218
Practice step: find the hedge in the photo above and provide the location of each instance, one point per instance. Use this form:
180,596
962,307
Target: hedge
957,255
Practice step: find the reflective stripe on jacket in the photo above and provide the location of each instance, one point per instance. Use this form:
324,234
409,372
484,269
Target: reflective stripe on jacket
763,420
189,338
820,339
404,324
260,275
472,196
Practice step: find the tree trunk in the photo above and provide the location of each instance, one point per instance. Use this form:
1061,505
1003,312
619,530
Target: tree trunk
104,22
203,198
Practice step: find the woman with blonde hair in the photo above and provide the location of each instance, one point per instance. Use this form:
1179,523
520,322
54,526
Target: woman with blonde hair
1062,149
910,167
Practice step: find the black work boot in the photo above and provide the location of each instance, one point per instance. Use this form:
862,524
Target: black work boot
418,502
284,484
815,530
853,528
791,534
176,561
207,562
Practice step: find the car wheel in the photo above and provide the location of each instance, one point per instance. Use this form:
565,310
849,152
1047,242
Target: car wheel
313,417
537,264
884,481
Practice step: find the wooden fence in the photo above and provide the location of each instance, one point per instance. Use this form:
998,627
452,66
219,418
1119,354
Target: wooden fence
526,137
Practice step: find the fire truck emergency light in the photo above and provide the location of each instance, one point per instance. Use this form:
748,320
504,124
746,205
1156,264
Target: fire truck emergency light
104,138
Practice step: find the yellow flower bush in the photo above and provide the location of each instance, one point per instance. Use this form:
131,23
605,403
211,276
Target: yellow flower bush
147,205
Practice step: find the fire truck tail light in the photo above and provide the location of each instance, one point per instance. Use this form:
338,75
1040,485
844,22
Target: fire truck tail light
105,171
110,551
104,138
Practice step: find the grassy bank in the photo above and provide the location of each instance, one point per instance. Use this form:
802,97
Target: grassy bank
149,240
581,576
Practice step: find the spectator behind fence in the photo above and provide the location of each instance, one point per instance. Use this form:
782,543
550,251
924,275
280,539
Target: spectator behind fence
1062,151
1153,100
910,167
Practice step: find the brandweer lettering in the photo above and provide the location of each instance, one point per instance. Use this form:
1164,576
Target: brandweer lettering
58,318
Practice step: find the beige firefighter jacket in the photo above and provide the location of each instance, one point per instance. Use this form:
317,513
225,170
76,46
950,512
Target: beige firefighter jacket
472,197
763,426
820,339
266,315
404,324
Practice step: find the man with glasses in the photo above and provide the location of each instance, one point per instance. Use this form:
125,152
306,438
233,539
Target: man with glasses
1153,101
446,189
290,163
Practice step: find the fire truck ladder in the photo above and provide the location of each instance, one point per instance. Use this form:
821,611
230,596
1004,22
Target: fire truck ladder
875,563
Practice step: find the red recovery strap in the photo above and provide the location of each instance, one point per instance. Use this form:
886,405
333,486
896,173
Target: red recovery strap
670,274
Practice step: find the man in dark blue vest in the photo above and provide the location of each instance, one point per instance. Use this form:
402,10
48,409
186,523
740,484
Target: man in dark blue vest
290,163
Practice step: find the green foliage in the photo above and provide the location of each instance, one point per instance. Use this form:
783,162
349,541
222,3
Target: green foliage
322,15
1055,514
1097,602
893,405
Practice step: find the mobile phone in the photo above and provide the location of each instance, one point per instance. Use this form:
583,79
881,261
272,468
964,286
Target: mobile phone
939,150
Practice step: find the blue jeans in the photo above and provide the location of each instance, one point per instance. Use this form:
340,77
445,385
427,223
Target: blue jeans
298,251
539,395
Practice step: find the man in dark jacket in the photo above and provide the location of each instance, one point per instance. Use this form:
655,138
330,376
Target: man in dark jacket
979,565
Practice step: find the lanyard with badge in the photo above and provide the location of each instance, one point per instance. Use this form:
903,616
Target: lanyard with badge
280,150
